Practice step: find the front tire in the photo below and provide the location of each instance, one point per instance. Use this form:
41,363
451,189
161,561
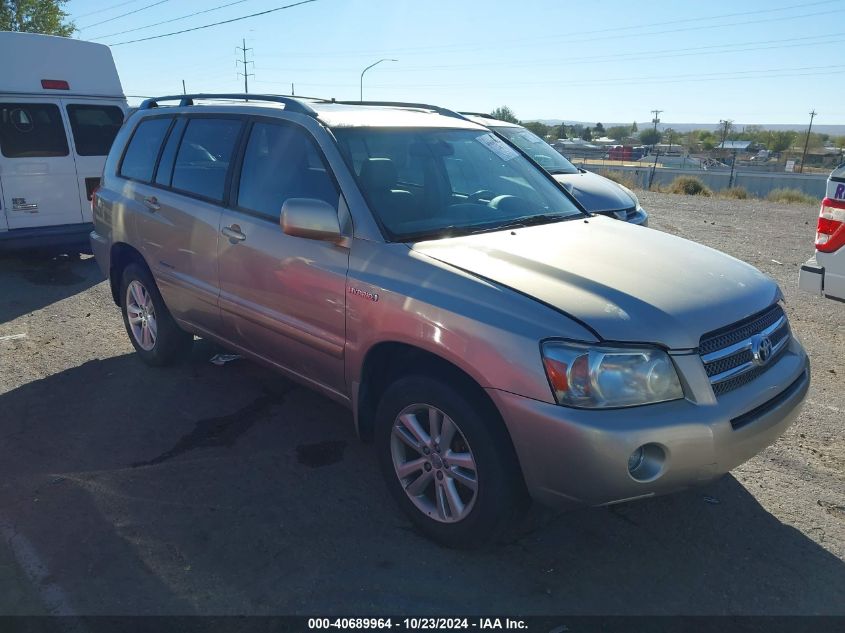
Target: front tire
448,462
152,330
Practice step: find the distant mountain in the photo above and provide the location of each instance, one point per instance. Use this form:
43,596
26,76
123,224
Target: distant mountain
833,130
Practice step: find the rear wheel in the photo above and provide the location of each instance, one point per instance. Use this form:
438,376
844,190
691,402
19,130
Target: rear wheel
448,462
152,330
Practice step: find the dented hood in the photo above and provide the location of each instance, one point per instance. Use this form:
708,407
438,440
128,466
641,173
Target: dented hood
628,283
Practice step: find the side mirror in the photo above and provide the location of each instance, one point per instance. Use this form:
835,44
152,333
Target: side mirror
310,218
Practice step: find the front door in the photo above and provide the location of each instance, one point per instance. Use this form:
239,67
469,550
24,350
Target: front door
283,297
36,166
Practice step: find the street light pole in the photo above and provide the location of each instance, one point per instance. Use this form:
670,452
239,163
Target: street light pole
367,68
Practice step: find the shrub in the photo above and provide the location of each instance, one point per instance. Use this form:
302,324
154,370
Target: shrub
620,177
689,186
791,196
737,193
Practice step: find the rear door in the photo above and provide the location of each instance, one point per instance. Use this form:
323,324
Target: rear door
36,165
93,126
180,222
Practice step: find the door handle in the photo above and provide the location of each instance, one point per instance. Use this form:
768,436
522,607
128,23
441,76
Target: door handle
234,233
152,203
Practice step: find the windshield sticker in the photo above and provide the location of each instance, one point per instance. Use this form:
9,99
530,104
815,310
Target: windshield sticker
497,145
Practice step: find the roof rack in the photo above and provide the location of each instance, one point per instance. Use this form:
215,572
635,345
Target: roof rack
403,104
292,104
484,115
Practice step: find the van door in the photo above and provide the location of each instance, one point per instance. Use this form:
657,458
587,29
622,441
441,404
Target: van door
283,297
93,126
36,166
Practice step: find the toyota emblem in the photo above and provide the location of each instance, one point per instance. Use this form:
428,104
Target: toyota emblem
761,349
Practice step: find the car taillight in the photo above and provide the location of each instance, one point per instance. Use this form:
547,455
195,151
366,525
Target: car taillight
830,232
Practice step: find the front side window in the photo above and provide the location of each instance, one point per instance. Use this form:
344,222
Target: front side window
140,158
94,127
202,161
544,154
32,130
468,181
281,162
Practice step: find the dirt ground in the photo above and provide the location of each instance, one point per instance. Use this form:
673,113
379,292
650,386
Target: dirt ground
201,489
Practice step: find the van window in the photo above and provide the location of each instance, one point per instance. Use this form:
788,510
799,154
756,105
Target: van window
204,156
140,158
282,162
94,127
31,130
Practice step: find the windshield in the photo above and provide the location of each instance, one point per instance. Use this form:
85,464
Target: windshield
429,183
544,154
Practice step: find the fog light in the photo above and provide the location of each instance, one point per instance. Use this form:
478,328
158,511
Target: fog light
647,462
636,459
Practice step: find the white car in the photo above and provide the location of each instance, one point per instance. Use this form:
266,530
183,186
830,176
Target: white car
61,105
824,274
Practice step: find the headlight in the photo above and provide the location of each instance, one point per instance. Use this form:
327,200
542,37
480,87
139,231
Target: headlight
633,196
595,376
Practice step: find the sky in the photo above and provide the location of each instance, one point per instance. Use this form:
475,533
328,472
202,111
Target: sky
610,61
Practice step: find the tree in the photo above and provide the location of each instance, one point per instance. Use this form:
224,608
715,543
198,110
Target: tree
649,137
35,16
619,132
561,131
634,128
781,140
540,129
586,134
599,128
504,113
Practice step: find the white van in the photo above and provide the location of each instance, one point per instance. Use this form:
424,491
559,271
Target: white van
824,273
61,105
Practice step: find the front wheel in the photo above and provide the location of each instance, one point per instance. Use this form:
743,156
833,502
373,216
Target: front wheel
448,462
153,332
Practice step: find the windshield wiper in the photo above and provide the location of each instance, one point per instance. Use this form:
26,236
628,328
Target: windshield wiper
527,220
562,171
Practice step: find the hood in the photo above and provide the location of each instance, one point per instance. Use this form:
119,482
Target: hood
596,193
626,282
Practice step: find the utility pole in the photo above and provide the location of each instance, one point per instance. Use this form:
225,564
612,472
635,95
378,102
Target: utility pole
655,120
245,62
292,93
807,142
726,125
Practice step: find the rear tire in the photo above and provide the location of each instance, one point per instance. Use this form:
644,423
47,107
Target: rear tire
448,462
149,324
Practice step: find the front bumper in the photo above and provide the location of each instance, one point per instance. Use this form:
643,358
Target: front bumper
580,457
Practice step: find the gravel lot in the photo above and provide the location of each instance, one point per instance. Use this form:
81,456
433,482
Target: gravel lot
228,490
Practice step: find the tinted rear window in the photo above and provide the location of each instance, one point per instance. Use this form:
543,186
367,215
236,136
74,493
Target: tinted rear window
31,130
202,162
140,158
94,128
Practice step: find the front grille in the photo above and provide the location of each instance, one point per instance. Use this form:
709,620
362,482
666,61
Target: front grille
728,353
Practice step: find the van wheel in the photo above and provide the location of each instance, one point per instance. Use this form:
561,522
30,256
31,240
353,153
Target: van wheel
448,462
151,328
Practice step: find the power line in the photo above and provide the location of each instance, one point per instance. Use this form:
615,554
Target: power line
183,17
123,15
206,26
105,10
504,43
